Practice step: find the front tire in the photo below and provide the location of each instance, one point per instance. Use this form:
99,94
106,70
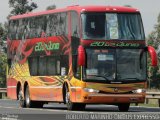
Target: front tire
124,107
71,105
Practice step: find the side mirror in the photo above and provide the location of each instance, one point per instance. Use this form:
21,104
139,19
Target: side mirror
81,56
153,56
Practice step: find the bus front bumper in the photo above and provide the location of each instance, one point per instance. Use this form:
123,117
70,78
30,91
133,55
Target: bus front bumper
113,98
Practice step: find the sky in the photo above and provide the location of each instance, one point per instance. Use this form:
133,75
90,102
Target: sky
150,9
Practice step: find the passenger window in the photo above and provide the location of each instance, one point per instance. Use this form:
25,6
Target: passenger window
75,24
48,65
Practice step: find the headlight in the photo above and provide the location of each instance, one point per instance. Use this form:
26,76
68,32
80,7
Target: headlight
90,90
139,91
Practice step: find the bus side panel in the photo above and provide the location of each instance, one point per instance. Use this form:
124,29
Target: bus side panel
59,96
46,88
11,88
43,94
17,72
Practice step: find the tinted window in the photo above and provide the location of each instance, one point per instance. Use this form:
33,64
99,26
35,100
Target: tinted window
52,65
75,24
110,26
13,27
116,64
36,26
57,24
42,66
33,65
54,24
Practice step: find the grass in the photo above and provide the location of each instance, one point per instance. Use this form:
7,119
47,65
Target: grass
148,105
153,90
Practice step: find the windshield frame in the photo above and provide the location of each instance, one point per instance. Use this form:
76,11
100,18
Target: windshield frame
105,38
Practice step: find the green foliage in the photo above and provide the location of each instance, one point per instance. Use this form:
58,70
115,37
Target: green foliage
21,6
3,56
3,36
154,37
154,40
3,31
3,66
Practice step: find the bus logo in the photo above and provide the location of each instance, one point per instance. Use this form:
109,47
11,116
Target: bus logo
115,89
40,46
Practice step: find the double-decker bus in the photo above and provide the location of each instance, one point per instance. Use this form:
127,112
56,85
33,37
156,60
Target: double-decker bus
78,55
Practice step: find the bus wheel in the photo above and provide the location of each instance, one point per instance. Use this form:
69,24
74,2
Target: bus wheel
27,98
124,107
70,105
21,99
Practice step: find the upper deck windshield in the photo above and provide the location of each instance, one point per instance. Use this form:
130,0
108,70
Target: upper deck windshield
110,26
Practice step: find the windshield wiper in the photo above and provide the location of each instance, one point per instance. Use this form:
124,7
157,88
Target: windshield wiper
130,79
101,77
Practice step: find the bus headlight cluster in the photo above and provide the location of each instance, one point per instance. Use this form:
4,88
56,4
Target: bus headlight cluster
139,91
90,90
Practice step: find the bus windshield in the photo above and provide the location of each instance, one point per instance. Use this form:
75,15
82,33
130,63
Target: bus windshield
110,26
116,64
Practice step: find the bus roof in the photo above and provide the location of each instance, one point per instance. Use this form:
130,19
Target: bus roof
79,9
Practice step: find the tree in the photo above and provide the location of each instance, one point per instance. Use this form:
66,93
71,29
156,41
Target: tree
3,56
154,37
3,64
51,7
3,36
154,40
21,6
